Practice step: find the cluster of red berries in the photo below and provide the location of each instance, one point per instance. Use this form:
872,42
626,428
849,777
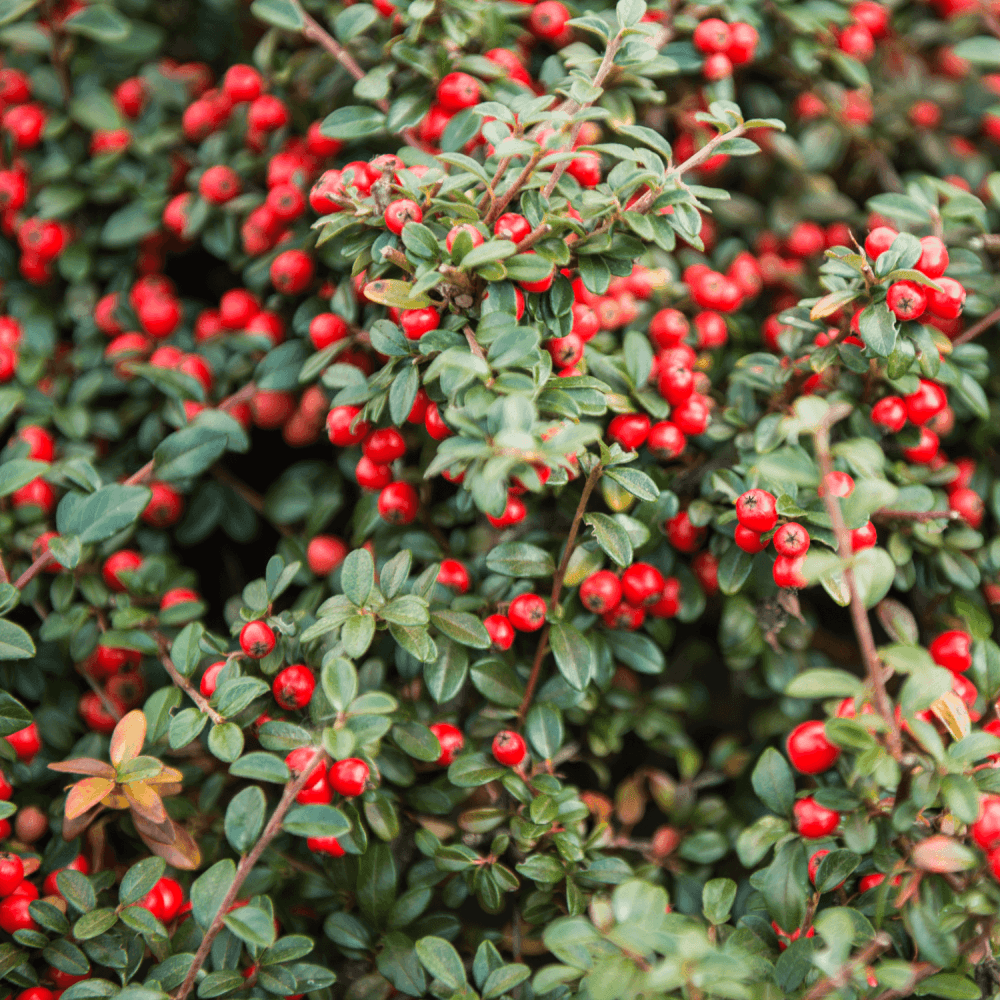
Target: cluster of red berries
347,778
724,46
623,602
18,892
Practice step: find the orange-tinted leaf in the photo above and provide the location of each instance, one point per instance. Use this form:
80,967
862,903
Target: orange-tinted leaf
86,793
953,713
942,854
128,737
142,799
116,800
84,765
168,774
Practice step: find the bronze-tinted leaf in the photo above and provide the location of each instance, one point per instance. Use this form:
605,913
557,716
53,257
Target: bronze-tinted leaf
143,800
168,775
162,833
85,794
84,765
181,851
128,737
74,827
116,801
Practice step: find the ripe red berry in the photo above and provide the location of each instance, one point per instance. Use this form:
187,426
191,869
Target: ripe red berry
267,113
242,83
325,553
451,739
749,540
933,260
890,413
948,303
165,506
927,402
467,227
325,845
906,299
527,612
711,35
986,829
509,748
41,444
210,678
926,448
787,572
348,777
11,873
457,91
26,742
125,561
453,574
864,537
500,630
398,503
968,504
14,915
757,510
809,751
952,650
294,686
219,184
813,820
343,427
665,441
417,322
372,476
879,240
601,592
682,534
291,272
642,584
257,639
398,213
791,540
384,446
840,484
511,226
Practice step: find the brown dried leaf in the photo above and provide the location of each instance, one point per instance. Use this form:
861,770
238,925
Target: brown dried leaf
86,794
143,800
84,765
162,833
74,827
953,714
128,737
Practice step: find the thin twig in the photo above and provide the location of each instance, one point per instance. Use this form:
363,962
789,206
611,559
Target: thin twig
859,614
33,570
557,582
842,977
921,516
4,578
977,328
243,869
475,346
182,682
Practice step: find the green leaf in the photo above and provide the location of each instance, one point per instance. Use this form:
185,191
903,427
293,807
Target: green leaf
316,821
949,985
520,559
464,628
352,123
19,472
279,13
446,675
835,868
416,740
225,741
441,960
734,568
544,728
76,889
188,452
773,782
406,610
217,983
637,483
251,924
981,50
261,766
574,655
717,898
103,513
210,889
357,634
15,644
245,818
140,878
878,328
100,22
95,923
612,537
357,576
874,572
824,683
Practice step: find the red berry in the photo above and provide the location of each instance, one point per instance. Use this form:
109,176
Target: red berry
14,915
417,322
879,240
399,213
294,686
952,650
906,299
398,503
749,540
809,751
500,630
266,114
757,510
601,592
291,272
840,484
947,304
813,820
682,534
343,427
890,413
509,748
864,537
325,553
434,423
968,504
711,35
986,830
26,743
665,441
325,845
642,584
927,402
474,234
926,448
453,574
371,475
348,777
41,444
457,91
514,513
630,430
527,612
257,639
125,561
791,540
210,678
933,259
242,83
219,184
451,739
787,572
511,226
165,506
326,329
11,873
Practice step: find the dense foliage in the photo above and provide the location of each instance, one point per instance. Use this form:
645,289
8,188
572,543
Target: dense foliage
499,499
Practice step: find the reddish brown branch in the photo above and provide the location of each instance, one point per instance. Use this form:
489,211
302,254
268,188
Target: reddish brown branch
182,682
977,328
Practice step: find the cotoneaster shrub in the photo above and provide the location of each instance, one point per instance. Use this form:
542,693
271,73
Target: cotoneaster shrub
612,615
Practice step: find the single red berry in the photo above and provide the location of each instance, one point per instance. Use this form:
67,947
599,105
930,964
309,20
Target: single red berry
14,915
601,592
889,413
292,271
384,446
165,506
451,739
509,748
326,329
791,540
372,476
219,184
527,612
986,830
267,113
294,686
11,873
926,448
926,403
257,639
457,91
348,777
906,299
865,537
787,572
840,484
325,553
500,630
398,503
809,751
757,510
453,574
879,240
682,534
514,513
968,504
630,430
711,35
749,540
125,561
417,322
665,441
947,303
26,743
933,260
343,427
325,845
642,584
242,83
511,226
813,820
41,444
467,227
398,213
952,650
210,678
